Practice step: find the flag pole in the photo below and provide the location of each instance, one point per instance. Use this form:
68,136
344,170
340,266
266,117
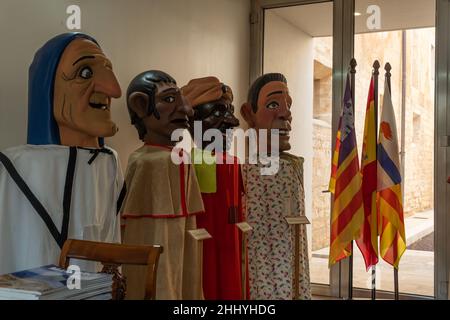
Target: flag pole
388,69
376,73
353,65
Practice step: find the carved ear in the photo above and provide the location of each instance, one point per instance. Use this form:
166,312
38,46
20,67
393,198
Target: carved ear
138,102
247,114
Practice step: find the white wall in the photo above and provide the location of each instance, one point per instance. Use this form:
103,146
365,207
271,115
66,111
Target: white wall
290,51
186,38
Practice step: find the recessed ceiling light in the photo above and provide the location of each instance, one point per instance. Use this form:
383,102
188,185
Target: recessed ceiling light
357,14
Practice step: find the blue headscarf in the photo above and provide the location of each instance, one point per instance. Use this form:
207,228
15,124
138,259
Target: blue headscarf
42,126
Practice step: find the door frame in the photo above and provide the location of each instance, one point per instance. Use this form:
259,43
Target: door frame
343,51
442,151
343,31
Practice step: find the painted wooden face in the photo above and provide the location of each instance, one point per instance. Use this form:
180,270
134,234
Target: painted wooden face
84,86
216,115
173,110
274,112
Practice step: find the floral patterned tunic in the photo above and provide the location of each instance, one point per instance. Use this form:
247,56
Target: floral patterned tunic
269,199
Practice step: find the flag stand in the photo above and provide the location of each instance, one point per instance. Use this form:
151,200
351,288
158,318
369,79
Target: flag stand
388,69
376,73
397,293
353,65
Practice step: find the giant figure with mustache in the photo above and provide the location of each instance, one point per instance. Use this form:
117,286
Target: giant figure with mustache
272,198
64,183
221,185
163,196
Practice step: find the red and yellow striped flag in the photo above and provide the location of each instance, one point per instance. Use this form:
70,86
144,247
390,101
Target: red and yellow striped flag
392,237
368,242
345,184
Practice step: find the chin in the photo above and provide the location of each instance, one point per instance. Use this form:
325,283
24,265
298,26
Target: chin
105,130
284,148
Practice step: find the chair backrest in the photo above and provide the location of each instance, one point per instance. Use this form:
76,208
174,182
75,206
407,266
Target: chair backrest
115,255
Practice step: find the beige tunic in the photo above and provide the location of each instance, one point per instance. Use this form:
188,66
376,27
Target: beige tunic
160,207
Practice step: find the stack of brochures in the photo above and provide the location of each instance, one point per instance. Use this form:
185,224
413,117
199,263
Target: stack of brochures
53,283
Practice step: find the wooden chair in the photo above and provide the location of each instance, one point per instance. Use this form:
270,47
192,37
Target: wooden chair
113,256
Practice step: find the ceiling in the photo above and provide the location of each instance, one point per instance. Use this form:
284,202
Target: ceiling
316,20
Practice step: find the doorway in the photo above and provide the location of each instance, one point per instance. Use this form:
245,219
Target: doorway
311,42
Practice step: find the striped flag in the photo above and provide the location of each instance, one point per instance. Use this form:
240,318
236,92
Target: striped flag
345,184
368,242
392,238
334,165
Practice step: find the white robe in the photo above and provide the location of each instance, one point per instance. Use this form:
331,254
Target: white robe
25,241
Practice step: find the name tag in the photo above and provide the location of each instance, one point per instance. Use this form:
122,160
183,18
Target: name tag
297,220
200,234
244,227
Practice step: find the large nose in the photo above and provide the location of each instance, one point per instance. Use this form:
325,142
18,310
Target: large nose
185,107
285,111
106,82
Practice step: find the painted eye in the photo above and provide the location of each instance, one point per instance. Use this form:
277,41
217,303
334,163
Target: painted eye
272,105
217,113
169,99
86,73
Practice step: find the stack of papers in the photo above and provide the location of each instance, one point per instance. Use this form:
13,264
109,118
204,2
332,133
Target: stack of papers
51,283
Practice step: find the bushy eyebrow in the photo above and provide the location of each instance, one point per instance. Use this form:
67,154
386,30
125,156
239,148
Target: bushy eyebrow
170,90
274,93
83,58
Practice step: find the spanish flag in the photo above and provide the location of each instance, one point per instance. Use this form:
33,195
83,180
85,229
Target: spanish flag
392,238
345,184
368,242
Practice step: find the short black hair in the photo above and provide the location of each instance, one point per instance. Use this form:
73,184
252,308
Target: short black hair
255,89
146,83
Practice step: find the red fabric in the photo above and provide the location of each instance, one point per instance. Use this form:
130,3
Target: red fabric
222,253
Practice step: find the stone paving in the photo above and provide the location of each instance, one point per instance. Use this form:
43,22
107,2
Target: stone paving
416,274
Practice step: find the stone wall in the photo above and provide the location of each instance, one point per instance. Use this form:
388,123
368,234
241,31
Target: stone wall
419,115
321,178
419,124
322,141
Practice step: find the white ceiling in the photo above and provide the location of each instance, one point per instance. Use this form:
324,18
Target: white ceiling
317,19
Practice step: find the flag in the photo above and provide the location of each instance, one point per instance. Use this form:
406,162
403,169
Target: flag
334,165
392,237
368,242
348,214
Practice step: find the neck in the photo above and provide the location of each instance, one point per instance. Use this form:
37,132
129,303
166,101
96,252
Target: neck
72,138
157,139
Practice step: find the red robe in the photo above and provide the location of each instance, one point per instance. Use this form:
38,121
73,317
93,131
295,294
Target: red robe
222,254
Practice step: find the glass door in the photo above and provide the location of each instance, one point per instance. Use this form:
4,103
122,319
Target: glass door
402,33
312,42
283,31
298,42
